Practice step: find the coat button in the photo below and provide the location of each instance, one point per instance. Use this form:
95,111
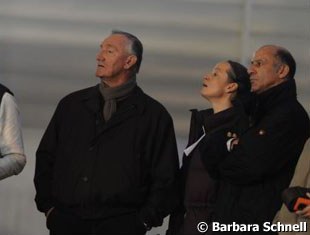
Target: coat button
85,178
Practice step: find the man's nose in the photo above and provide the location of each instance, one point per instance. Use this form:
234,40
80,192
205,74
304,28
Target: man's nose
97,57
100,56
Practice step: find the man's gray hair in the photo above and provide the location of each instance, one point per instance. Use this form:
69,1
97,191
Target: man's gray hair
135,48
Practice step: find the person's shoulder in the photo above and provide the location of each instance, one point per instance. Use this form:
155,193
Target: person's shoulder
152,101
206,112
4,89
78,95
197,114
153,104
291,109
301,110
291,114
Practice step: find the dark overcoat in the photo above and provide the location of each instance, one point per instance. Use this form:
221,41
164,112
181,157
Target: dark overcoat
97,169
253,175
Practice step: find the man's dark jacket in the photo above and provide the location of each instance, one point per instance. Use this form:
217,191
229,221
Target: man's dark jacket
96,170
253,175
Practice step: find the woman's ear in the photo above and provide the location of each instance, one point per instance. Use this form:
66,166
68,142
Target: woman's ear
130,61
231,87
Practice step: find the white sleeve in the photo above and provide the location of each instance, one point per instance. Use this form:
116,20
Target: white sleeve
12,157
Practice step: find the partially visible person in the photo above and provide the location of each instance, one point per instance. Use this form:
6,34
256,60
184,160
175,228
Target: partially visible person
254,168
108,161
301,178
226,88
305,212
12,156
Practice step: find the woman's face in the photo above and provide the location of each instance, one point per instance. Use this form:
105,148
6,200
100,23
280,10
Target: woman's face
215,83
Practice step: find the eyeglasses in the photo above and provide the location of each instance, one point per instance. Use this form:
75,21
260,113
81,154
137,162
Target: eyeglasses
258,63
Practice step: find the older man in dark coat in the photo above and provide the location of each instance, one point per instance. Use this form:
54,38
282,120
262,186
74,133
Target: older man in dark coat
107,162
257,166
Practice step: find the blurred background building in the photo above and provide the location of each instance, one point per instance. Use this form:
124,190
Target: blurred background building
48,49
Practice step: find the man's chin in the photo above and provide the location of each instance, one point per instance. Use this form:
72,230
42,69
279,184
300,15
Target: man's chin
100,75
103,80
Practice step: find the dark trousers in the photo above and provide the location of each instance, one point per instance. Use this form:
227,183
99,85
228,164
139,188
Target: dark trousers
60,223
195,215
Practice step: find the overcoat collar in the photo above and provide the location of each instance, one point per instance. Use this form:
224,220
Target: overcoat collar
269,99
133,105
275,95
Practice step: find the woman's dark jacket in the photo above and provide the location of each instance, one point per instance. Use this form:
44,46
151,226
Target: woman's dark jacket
253,175
96,169
198,189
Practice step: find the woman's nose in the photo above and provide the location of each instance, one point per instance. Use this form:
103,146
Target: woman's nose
206,77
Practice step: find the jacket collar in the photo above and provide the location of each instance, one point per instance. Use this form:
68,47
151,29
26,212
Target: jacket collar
278,94
269,99
131,106
92,100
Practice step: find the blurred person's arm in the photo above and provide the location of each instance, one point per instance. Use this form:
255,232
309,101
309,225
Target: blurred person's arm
12,159
306,211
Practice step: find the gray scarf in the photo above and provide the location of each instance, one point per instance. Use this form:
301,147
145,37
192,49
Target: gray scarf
113,94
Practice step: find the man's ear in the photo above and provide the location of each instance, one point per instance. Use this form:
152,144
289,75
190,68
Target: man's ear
283,70
231,87
130,61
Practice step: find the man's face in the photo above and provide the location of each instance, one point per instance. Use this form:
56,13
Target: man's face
264,70
112,57
215,83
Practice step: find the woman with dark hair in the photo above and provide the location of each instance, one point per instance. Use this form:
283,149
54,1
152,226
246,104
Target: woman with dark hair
227,88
